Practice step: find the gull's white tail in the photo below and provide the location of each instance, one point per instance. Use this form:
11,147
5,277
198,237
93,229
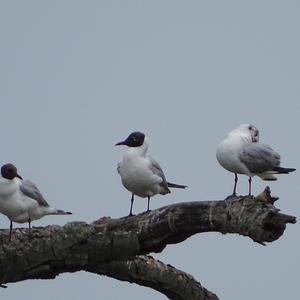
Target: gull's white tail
269,176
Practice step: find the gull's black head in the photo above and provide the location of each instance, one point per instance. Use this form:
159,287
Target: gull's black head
9,171
135,139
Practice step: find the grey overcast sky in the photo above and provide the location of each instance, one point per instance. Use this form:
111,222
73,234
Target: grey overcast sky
78,76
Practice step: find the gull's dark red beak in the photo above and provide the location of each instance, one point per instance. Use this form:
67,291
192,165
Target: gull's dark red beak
121,143
19,176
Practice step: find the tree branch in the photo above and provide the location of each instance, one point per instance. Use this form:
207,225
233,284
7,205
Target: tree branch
256,218
146,271
111,246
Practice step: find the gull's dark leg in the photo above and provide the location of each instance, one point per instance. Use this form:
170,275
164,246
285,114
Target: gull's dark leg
10,230
148,207
235,183
29,227
132,199
250,181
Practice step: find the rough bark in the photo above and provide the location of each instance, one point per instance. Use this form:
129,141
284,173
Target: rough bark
147,271
116,247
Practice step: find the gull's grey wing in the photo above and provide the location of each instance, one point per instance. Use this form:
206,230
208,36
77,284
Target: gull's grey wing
259,157
29,189
157,170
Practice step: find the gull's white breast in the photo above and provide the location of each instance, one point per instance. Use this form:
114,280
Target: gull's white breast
13,203
137,176
228,155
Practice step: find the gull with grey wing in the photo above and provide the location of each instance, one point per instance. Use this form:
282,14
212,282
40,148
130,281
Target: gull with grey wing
242,153
20,200
140,173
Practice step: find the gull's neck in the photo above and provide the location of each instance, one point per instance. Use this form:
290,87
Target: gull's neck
241,135
141,150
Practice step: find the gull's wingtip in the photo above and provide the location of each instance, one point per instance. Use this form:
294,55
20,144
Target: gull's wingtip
175,185
282,170
62,212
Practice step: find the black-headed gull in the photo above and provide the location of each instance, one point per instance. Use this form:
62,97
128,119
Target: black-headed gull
141,174
242,153
20,200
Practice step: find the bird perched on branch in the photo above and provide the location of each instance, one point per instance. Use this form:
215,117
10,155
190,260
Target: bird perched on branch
20,200
242,153
141,174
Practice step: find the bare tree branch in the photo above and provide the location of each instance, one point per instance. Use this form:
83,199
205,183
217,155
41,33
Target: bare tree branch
146,271
114,246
